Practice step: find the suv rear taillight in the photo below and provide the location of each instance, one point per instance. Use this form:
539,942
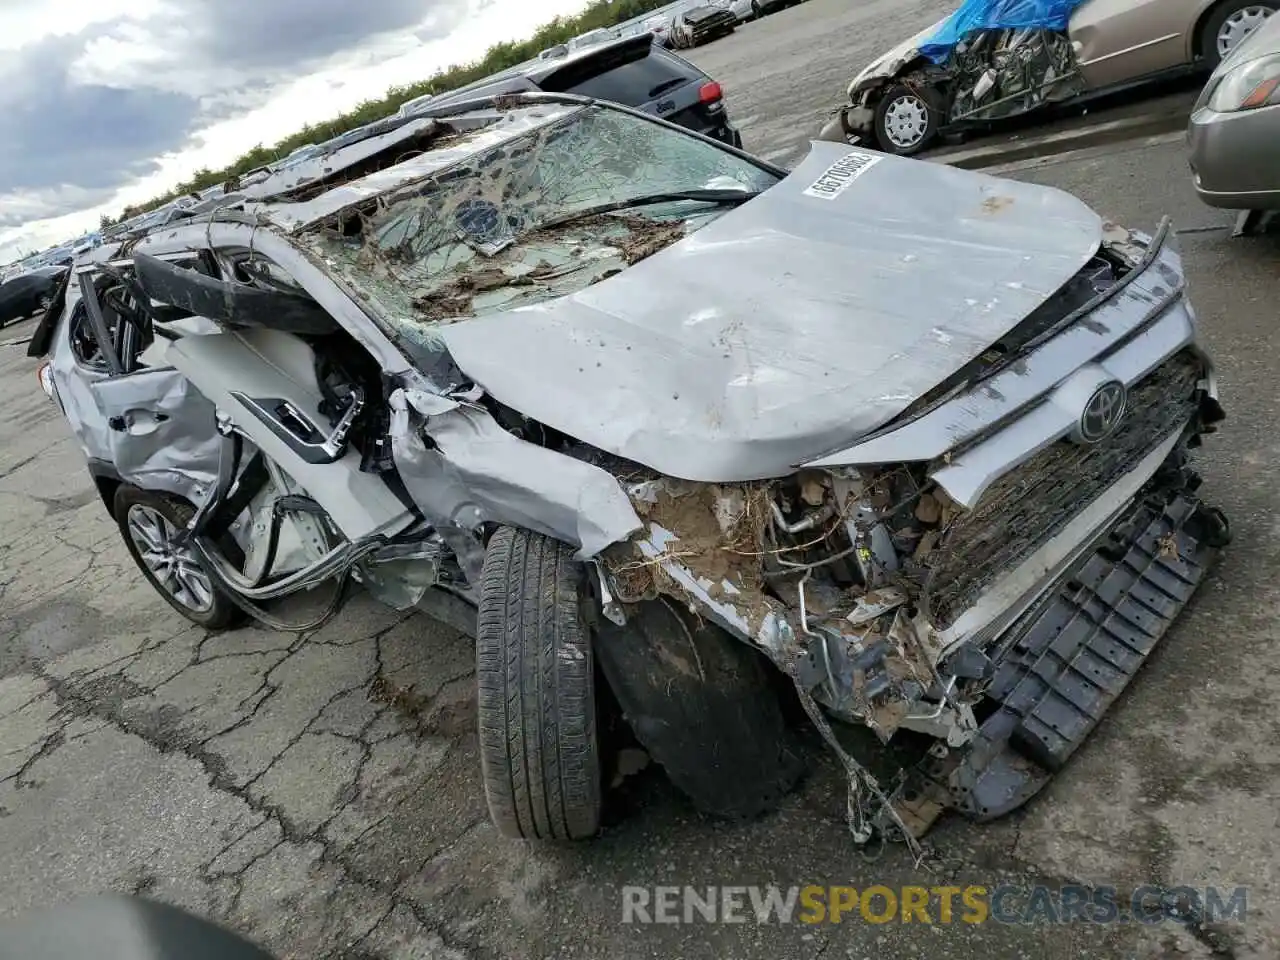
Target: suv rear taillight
710,92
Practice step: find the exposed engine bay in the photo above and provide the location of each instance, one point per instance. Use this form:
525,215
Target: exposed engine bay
1008,72
1002,73
889,603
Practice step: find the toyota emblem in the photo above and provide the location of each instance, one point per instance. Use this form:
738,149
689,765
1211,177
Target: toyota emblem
1103,412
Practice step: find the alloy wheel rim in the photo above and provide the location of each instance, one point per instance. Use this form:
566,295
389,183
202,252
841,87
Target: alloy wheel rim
906,121
175,568
1239,25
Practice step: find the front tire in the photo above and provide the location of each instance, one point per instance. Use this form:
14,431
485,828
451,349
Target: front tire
906,119
148,522
539,755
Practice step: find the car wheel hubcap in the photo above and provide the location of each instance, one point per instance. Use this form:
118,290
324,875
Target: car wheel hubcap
1239,25
175,568
906,121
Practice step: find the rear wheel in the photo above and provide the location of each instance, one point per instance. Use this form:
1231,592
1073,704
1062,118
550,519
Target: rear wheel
539,755
1229,24
149,523
906,119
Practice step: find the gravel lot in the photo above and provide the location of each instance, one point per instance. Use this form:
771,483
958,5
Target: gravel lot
322,794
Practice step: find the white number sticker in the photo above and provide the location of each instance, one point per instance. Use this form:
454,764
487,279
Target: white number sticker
837,177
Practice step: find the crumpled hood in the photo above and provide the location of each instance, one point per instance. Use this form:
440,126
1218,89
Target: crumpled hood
888,64
791,325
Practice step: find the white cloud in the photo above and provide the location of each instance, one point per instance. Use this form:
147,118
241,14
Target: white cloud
23,22
134,53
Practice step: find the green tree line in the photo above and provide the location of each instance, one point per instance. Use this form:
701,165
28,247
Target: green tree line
501,56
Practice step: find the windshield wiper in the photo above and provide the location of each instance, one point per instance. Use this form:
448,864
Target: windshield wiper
699,196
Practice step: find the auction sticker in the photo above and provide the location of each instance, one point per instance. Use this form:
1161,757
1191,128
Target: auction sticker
837,177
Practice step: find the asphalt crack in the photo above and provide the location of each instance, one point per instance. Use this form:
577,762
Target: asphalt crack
47,746
103,697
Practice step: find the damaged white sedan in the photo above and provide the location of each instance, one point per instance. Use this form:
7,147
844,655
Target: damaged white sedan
905,443
996,59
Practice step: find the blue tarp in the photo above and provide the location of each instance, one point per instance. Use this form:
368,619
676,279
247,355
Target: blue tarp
997,15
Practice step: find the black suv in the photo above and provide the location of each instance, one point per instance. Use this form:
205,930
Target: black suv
634,72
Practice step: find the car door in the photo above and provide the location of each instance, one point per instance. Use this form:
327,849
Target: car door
1118,41
160,431
152,425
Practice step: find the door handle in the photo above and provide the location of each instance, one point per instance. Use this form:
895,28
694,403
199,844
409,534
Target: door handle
121,424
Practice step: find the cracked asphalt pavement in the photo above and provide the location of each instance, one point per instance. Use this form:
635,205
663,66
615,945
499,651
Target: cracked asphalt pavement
321,793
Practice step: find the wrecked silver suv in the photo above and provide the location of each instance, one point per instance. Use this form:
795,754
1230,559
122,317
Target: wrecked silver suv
906,444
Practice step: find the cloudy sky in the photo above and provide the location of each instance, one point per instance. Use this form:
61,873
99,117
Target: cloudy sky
110,102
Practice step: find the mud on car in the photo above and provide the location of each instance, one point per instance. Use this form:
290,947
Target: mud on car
908,444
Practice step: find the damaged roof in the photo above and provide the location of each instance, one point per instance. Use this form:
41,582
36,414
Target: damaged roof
427,146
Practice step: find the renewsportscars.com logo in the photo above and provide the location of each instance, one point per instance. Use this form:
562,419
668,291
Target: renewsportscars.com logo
879,904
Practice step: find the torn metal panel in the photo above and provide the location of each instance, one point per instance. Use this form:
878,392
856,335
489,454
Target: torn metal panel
473,472
706,362
717,549
769,627
880,657
234,367
876,674
1066,661
891,64
160,431
307,270
493,128
1122,339
1010,72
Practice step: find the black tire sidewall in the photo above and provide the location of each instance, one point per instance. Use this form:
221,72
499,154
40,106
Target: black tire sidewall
530,584
223,612
707,712
895,92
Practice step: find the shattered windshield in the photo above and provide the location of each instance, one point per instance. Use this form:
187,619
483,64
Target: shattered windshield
522,222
